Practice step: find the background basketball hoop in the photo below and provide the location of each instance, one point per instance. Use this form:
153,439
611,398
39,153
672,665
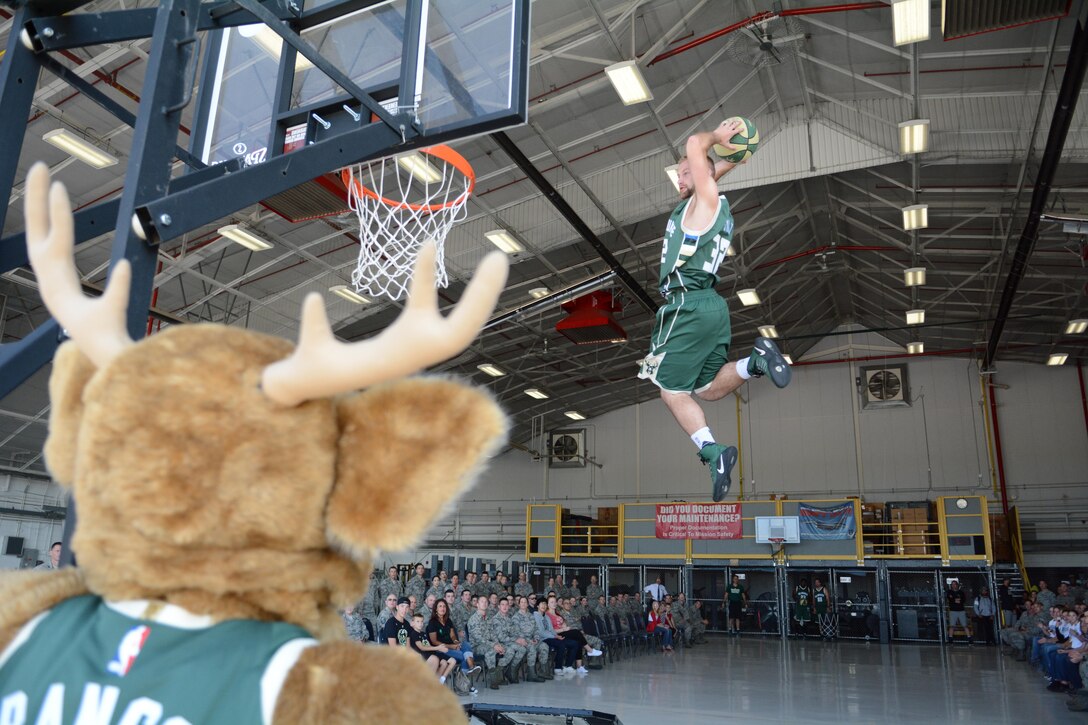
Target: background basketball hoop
402,202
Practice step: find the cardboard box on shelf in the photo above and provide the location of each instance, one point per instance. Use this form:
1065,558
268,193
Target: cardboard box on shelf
608,515
872,513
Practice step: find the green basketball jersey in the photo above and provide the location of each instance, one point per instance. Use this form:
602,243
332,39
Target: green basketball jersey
83,661
820,599
802,596
690,258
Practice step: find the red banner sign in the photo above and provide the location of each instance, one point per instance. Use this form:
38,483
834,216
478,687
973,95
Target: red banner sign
698,521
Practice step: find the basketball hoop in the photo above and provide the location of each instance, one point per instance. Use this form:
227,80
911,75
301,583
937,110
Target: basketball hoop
776,545
402,202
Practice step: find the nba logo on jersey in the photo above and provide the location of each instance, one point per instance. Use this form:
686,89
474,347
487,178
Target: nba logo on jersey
128,650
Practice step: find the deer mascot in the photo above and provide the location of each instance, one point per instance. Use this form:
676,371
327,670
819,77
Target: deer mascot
232,491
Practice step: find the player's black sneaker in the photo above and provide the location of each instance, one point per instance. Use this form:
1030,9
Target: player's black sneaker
767,360
721,460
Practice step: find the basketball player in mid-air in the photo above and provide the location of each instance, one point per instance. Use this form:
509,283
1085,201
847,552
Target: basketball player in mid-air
689,345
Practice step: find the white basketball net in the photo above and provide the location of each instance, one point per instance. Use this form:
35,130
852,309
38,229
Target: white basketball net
398,214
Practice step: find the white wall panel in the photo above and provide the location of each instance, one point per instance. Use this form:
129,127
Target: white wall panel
801,441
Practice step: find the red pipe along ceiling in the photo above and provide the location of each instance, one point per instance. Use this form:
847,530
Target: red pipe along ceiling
765,15
827,248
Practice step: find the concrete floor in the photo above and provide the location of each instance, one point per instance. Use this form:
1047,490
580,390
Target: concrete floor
765,680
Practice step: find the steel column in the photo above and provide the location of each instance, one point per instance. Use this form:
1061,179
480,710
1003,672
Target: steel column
568,213
166,92
18,79
1064,109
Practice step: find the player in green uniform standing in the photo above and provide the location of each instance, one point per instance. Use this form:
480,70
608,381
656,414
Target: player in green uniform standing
821,600
802,610
689,345
736,598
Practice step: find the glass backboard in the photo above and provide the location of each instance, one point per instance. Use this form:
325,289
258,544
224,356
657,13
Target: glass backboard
469,66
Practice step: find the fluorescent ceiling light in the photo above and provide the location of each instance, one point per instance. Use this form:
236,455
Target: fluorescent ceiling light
914,276
768,331
916,348
914,136
342,290
910,21
1076,327
271,43
916,317
534,393
574,415
240,235
505,241
628,81
415,164
915,216
83,150
674,175
1057,358
537,292
493,370
789,360
748,297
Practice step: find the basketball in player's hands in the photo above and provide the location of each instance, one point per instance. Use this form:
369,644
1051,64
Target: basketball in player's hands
744,141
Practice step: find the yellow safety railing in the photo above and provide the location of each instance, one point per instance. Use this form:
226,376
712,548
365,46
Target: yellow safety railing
983,529
547,538
547,535
595,540
1018,546
902,540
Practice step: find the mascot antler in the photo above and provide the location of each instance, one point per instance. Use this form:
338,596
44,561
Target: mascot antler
322,366
96,325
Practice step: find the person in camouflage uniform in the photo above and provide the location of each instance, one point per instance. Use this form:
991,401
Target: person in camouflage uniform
390,586
427,607
461,612
681,617
507,634
437,588
455,585
1018,636
616,609
388,611
470,582
523,588
550,588
483,584
1045,596
593,590
503,587
372,602
354,624
417,585
698,623
1079,703
561,589
573,588
599,606
485,642
536,652
1064,597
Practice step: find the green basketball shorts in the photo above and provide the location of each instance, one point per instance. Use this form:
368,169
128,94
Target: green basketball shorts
689,343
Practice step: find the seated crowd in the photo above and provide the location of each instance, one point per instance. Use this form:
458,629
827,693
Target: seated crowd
1051,635
506,634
